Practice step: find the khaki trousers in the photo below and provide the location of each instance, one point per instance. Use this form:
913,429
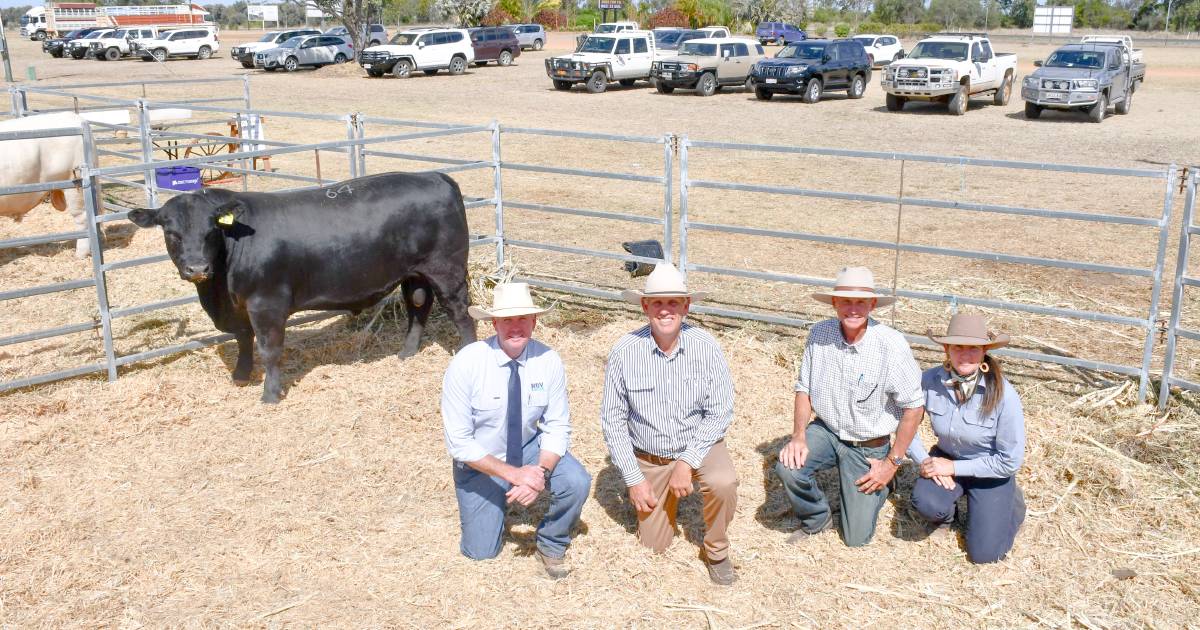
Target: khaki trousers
718,490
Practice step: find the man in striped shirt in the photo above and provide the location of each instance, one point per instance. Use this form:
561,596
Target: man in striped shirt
668,400
858,383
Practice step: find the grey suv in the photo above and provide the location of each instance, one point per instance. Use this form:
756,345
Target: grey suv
530,35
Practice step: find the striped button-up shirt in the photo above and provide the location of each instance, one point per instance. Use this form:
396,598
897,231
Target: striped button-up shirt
671,405
859,390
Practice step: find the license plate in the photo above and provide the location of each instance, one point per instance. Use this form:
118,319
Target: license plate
367,66
667,75
771,81
1056,96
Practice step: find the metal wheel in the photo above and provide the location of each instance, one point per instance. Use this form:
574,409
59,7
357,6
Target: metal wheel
537,44
1005,90
858,86
458,65
598,82
1126,104
1033,111
663,88
1099,110
340,58
248,66
207,148
505,58
749,85
204,53
763,95
562,85
112,54
159,54
290,64
707,85
958,102
402,69
40,36
812,93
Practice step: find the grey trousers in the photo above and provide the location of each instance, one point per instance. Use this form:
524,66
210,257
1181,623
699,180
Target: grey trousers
995,511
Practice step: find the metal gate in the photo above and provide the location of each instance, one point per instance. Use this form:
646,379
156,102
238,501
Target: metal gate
1175,329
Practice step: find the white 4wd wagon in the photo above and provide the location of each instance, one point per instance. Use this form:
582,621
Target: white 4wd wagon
625,57
197,43
428,50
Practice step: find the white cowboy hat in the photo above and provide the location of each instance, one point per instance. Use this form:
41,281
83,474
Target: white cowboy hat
664,281
510,299
854,282
970,329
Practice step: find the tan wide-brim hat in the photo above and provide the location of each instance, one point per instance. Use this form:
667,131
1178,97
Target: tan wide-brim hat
510,299
664,281
969,329
854,282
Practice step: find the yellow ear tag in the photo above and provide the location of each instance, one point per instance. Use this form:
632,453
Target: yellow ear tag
225,219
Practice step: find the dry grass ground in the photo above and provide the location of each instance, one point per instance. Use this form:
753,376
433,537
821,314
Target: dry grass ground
172,498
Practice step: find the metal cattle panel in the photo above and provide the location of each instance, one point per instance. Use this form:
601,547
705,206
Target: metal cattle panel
1182,281
1147,324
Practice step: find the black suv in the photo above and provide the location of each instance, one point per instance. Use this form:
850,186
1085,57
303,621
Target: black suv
812,67
56,47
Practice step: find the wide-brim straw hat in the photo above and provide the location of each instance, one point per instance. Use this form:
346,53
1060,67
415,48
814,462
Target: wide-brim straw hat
664,281
854,282
510,299
969,329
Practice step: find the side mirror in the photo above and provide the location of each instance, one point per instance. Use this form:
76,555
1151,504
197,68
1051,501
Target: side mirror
903,54
726,53
420,44
825,58
1037,63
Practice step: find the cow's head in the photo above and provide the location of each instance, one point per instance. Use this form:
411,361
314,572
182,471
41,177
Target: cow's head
194,227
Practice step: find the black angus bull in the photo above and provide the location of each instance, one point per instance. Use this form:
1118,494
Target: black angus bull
256,258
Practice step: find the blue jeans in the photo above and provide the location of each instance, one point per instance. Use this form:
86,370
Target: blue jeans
995,511
859,511
482,506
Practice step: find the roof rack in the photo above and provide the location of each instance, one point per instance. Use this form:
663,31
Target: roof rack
960,35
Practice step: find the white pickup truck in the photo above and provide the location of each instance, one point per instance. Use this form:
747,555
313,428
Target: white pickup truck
625,57
950,68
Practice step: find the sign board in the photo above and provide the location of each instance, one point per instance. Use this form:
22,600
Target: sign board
311,11
262,13
1053,20
612,4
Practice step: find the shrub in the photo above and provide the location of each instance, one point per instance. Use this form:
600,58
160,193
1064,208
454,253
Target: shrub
669,16
551,19
928,28
497,17
841,30
870,27
816,30
585,20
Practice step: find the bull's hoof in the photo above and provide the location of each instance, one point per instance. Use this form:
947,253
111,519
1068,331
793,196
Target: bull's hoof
270,399
241,382
407,353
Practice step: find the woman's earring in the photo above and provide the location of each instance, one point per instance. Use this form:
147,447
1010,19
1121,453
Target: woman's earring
983,367
946,364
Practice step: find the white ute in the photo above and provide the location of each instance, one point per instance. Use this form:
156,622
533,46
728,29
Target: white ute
950,68
625,57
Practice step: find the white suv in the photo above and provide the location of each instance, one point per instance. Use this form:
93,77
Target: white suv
197,43
625,57
115,45
427,50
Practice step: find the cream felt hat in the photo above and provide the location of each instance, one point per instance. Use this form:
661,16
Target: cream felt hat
664,281
969,329
510,299
854,282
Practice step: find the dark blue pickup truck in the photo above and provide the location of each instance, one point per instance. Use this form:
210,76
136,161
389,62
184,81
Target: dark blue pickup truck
812,68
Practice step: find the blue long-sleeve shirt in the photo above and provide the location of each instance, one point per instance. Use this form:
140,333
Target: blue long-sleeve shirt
991,445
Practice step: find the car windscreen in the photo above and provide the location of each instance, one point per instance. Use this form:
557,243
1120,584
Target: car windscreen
866,41
94,35
939,50
269,37
666,38
606,28
1075,59
598,45
404,39
802,51
293,42
698,48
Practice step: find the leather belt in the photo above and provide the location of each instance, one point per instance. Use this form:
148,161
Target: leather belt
650,458
872,443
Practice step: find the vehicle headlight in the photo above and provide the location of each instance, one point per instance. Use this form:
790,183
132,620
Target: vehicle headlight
794,70
691,67
756,68
1085,84
1031,82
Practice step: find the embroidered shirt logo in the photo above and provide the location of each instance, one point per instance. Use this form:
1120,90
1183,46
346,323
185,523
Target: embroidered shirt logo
536,387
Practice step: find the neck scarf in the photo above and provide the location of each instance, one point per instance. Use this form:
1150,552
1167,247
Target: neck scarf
963,386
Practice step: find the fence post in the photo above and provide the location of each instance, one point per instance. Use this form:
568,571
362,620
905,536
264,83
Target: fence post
352,150
147,154
361,130
1163,234
498,192
91,206
683,206
1185,237
899,222
669,144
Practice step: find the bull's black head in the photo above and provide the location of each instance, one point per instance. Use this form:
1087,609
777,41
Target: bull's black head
194,226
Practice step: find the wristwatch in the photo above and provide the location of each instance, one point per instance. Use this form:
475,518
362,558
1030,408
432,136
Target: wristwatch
897,460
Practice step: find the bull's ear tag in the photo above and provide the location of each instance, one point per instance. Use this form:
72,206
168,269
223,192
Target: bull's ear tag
225,220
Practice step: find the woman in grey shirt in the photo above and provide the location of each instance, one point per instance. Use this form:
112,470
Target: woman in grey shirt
977,418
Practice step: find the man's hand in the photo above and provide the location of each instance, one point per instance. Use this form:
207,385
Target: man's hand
681,479
937,467
794,453
876,479
642,497
522,494
531,476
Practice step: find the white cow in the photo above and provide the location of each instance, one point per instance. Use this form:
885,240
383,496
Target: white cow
43,160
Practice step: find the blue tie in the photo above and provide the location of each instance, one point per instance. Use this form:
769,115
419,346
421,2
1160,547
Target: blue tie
512,454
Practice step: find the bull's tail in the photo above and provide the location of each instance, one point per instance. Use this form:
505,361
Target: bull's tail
462,206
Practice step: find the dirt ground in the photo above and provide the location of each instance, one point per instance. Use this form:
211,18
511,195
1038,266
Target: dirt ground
171,497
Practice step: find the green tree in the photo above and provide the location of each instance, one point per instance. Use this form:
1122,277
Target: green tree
355,15
899,11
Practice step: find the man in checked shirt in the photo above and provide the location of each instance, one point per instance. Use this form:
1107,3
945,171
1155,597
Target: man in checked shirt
668,400
858,383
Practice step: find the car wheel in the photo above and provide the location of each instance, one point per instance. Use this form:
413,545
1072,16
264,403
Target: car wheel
562,86
40,36
895,103
1004,92
430,72
505,58
958,102
537,44
248,66
598,82
159,54
290,64
375,73
402,69
763,95
340,58
1099,110
204,53
812,93
858,86
112,54
1126,104
707,85
1033,111
627,82
56,55
458,65
663,88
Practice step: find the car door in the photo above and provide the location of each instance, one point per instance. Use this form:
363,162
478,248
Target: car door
835,66
642,58
1120,74
983,68
727,63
